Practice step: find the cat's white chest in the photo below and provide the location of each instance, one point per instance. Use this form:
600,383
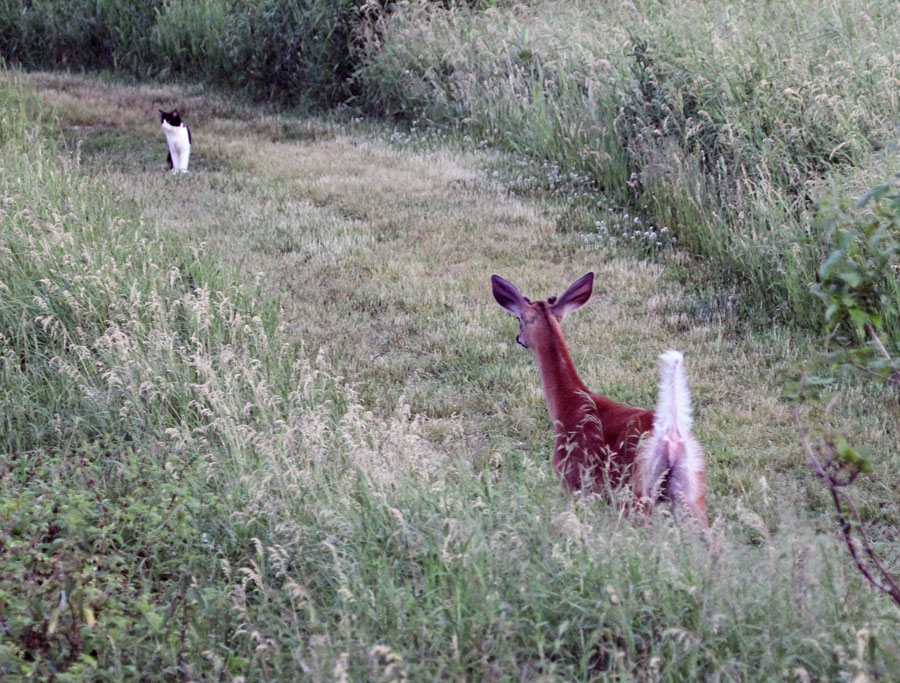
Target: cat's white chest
179,143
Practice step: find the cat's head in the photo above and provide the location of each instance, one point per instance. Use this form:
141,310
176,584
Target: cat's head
173,118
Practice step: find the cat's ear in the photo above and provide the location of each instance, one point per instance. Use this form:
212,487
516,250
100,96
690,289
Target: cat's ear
174,113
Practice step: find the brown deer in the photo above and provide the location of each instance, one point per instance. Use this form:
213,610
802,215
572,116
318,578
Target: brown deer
600,444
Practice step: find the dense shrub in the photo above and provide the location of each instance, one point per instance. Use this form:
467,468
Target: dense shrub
295,52
80,34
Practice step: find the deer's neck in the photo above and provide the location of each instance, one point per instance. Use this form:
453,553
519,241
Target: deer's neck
561,383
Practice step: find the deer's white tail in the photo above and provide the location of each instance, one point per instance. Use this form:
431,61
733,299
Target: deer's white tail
671,461
673,407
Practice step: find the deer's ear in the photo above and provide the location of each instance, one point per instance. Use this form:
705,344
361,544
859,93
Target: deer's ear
507,295
575,297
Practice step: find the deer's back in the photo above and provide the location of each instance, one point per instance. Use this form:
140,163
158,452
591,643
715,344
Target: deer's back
597,440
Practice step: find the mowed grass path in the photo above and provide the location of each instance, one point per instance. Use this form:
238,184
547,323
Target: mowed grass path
381,259
474,563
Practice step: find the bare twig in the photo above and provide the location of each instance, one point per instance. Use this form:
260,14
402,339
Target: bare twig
848,518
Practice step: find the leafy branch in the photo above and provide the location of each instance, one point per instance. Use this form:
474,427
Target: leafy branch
858,282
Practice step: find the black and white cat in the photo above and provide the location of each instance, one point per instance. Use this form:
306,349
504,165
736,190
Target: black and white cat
178,136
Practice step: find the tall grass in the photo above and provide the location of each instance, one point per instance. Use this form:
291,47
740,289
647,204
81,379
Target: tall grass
724,123
79,34
185,494
105,336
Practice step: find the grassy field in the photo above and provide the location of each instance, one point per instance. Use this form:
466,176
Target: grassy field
724,124
266,421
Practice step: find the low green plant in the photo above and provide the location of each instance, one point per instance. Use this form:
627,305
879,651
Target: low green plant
860,280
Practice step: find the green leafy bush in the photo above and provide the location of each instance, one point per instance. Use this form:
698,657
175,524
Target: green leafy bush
860,280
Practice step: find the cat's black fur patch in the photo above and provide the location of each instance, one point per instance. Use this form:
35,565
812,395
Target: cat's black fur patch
173,118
